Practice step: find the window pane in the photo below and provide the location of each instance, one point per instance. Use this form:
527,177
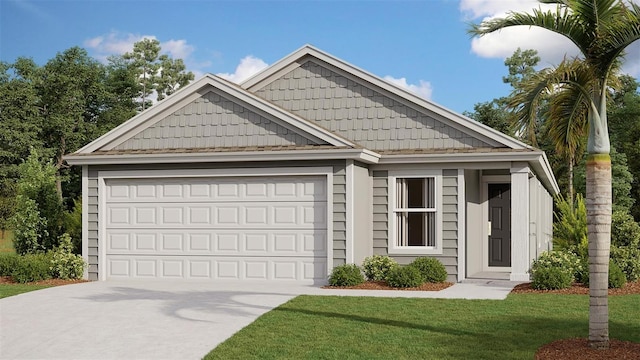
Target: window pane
415,190
430,190
415,233
431,229
415,229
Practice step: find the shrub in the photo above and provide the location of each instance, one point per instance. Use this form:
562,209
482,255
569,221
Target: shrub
404,277
73,225
617,278
582,275
8,262
346,275
32,267
64,263
431,269
625,231
570,227
377,267
628,259
562,259
551,278
29,227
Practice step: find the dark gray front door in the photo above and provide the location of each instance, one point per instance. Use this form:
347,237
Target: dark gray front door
500,220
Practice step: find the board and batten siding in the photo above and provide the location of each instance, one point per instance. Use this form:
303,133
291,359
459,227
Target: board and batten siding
449,256
339,201
360,112
213,121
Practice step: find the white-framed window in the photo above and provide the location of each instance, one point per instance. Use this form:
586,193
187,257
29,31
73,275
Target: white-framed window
415,212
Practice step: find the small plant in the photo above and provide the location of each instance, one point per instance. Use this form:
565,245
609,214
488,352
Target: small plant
377,267
562,259
551,278
431,269
404,277
625,231
65,264
32,267
617,278
8,262
346,275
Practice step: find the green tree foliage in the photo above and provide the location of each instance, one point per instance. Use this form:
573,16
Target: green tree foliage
570,226
38,218
155,72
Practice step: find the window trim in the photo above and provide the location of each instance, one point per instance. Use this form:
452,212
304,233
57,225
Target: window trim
392,247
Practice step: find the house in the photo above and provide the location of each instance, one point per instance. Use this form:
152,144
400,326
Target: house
310,164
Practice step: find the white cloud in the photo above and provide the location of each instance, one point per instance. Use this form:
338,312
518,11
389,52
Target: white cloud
249,66
423,89
116,43
551,47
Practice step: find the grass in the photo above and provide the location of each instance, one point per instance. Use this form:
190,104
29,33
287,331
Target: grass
7,290
6,241
379,328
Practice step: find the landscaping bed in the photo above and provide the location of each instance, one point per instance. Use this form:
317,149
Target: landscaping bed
382,285
48,282
578,289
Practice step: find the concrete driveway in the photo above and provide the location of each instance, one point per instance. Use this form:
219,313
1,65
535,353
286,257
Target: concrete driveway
161,320
132,320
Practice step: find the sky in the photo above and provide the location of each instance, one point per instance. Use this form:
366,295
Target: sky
422,45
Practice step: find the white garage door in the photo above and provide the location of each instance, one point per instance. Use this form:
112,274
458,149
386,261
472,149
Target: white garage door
254,228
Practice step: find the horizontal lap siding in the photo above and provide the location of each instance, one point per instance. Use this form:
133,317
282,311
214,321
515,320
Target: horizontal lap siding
339,201
449,255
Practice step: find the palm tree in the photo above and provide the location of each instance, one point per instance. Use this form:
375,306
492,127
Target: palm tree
601,29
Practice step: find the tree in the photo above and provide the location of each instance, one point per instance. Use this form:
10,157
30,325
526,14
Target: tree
601,30
155,72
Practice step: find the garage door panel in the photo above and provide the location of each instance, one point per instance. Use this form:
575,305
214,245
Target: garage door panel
217,268
302,188
298,215
254,228
217,242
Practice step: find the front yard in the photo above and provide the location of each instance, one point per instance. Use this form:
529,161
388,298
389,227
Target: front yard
379,328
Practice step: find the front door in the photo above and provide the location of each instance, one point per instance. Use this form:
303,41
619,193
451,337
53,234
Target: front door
500,225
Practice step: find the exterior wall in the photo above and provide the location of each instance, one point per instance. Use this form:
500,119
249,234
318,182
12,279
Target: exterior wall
449,210
474,222
540,219
213,121
325,95
362,213
339,198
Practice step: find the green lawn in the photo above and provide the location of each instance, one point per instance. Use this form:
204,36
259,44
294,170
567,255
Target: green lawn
317,327
7,290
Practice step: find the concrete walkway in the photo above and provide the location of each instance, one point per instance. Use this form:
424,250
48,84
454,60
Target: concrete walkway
161,320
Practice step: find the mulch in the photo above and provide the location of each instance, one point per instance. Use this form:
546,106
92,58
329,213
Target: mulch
381,285
48,282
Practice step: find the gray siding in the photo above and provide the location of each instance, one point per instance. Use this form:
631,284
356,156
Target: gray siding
359,112
339,200
449,255
213,121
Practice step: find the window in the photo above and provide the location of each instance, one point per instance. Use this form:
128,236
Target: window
415,220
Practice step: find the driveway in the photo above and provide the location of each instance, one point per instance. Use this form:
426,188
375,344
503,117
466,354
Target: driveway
161,320
132,320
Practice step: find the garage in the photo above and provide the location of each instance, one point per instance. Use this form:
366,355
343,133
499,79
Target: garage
263,228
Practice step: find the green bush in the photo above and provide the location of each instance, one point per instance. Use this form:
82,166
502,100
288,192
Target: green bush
404,277
8,262
73,225
32,267
377,267
628,259
431,269
562,259
346,275
29,227
582,275
617,278
625,231
64,263
570,225
551,278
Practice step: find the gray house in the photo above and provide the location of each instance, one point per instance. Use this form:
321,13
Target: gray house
310,164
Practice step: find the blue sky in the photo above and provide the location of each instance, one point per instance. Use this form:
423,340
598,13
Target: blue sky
419,44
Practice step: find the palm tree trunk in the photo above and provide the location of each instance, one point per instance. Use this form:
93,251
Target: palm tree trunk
598,204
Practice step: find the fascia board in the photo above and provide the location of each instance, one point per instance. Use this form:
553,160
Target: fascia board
362,155
536,159
461,120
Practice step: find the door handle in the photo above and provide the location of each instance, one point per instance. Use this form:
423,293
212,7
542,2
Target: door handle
489,228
